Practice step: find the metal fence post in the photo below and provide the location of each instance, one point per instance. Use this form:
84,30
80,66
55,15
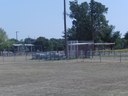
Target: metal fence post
100,56
120,56
3,58
14,57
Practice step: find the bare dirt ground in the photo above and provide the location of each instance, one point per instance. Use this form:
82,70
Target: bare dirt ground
63,78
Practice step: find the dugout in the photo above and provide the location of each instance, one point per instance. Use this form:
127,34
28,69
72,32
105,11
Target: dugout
84,49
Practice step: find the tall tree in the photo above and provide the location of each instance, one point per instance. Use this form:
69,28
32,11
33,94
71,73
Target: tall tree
98,19
81,23
88,21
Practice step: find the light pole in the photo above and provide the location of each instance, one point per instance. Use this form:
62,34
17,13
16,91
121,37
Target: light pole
65,31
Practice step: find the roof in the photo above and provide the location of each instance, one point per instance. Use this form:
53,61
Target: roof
17,44
91,44
23,45
28,44
104,43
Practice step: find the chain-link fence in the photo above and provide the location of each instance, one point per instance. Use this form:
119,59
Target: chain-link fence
31,57
107,56
91,56
14,57
102,56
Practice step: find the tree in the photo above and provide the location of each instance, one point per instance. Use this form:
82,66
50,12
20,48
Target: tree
98,20
3,39
88,21
13,40
42,44
81,23
3,36
56,44
125,39
29,41
106,34
116,37
126,35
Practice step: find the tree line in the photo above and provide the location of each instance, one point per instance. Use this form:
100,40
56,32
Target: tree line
41,43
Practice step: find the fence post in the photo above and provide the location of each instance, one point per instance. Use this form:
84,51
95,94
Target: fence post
26,54
3,58
14,57
120,56
100,56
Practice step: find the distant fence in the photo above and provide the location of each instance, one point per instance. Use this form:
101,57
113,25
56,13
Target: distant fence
103,56
91,56
107,56
31,56
14,57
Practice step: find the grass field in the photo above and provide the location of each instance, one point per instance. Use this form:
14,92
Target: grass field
62,78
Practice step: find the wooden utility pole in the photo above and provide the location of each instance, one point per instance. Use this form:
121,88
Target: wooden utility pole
65,31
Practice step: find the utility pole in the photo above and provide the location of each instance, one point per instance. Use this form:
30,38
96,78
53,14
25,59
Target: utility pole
92,24
65,31
17,35
92,21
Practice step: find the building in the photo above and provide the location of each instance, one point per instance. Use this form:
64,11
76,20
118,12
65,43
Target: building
82,49
23,47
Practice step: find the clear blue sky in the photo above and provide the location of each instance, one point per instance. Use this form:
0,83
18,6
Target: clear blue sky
34,18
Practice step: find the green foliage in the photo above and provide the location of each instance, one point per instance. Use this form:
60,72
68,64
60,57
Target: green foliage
13,40
88,20
3,36
81,21
99,24
116,37
42,44
126,36
56,44
29,41
3,39
107,34
125,40
89,23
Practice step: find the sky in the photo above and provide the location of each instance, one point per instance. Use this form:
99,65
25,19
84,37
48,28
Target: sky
34,18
